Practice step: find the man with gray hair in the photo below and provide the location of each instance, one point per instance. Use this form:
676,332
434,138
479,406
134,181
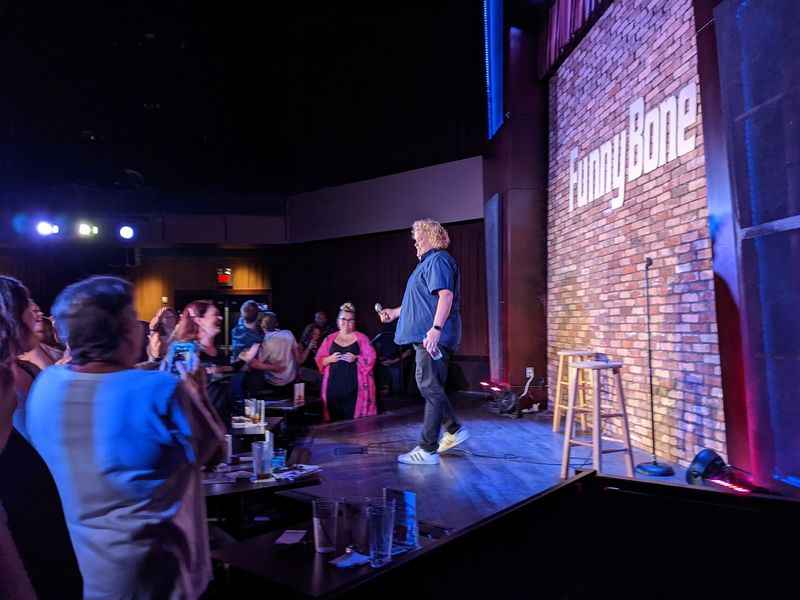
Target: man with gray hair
125,448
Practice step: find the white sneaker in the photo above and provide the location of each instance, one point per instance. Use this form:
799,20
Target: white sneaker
418,456
451,440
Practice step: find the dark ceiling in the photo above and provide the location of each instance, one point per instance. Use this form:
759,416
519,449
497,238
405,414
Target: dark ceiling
175,105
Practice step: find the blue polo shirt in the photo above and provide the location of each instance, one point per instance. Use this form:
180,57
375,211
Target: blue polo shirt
437,270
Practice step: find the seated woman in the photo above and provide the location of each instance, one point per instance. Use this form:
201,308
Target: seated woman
125,448
346,359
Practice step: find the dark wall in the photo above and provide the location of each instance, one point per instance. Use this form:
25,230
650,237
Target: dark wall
46,270
374,268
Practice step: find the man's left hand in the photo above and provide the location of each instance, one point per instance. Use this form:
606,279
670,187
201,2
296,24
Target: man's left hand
431,341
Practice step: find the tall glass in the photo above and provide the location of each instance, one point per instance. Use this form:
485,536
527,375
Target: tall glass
325,525
380,522
262,461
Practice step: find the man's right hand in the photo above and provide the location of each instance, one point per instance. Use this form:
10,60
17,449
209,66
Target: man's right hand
387,315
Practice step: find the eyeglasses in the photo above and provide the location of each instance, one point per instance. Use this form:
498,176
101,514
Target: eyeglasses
348,320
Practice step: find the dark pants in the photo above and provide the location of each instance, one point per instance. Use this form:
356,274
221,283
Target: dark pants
431,379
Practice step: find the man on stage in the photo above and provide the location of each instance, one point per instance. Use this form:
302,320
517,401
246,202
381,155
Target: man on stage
430,319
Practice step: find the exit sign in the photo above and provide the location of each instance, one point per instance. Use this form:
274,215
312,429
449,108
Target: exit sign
224,277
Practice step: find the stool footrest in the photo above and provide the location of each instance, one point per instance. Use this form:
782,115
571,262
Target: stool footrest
580,443
611,415
613,450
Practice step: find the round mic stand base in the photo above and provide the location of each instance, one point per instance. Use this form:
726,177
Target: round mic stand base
655,469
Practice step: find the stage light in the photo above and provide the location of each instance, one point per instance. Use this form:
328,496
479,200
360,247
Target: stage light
730,486
126,232
708,466
44,228
86,229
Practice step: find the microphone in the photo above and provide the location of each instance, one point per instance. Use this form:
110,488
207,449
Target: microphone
648,262
378,307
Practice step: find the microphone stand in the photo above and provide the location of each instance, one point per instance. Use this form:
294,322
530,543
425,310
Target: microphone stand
652,468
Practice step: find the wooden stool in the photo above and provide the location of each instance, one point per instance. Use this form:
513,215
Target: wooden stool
565,359
597,416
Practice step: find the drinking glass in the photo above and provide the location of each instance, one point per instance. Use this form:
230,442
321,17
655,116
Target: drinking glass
380,522
325,525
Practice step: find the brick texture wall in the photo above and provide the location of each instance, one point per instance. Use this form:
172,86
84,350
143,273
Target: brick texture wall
596,253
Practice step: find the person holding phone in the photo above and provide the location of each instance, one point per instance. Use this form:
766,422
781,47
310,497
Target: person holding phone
430,319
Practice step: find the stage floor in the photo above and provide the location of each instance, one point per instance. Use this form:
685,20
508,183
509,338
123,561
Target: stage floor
504,461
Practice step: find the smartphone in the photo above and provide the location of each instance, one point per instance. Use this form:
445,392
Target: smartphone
179,352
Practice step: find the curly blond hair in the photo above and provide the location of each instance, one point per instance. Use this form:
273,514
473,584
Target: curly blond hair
433,232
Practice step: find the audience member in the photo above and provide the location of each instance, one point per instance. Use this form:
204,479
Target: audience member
309,372
14,581
161,327
247,331
47,334
30,499
125,447
346,360
321,321
389,365
200,323
22,313
278,355
42,354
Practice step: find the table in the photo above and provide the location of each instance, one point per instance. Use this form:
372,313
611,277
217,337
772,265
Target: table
229,501
297,569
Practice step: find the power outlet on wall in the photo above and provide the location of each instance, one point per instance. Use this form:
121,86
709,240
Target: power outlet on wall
528,372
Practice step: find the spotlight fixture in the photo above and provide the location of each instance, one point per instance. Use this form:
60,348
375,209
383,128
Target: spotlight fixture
710,467
86,229
503,400
44,228
126,232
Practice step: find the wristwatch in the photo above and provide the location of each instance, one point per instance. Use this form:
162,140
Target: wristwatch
437,328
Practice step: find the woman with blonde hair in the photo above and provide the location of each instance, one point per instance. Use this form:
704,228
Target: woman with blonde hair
346,360
430,318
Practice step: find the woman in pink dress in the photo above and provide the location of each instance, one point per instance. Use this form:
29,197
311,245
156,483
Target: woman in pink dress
346,360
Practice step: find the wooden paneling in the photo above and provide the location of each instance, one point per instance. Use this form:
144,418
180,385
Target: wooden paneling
369,269
163,275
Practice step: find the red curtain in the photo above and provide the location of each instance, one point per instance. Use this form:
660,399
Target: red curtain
567,21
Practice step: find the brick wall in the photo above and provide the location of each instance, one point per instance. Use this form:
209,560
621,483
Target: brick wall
638,49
